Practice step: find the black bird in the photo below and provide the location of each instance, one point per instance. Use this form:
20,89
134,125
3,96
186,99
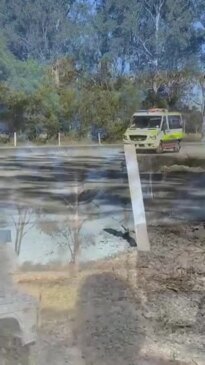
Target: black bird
125,235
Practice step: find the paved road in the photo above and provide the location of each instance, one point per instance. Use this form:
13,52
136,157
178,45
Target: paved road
191,146
45,178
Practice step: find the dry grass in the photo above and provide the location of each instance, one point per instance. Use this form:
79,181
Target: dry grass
163,289
174,264
192,137
59,290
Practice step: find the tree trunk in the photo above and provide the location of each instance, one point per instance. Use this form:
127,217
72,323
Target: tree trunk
16,241
55,71
74,264
157,24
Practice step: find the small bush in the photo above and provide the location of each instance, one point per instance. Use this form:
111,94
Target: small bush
116,130
4,138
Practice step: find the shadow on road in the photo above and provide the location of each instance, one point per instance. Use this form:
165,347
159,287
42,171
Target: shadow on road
107,322
108,326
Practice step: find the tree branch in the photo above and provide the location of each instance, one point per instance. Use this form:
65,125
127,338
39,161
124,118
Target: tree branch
145,47
161,5
197,102
147,7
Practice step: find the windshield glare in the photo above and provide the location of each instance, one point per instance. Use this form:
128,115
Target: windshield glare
146,122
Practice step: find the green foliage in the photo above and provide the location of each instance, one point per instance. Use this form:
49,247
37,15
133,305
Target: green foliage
18,75
153,100
130,97
7,61
26,76
16,102
68,108
68,65
165,89
116,130
36,28
42,112
193,120
98,106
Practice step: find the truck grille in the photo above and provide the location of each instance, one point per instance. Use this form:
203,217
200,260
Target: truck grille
138,138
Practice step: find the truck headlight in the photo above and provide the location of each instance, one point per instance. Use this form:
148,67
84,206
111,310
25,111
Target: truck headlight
153,137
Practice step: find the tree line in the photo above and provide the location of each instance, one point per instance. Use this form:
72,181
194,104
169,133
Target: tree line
74,64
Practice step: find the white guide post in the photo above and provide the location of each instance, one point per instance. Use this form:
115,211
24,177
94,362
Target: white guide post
99,138
15,139
138,210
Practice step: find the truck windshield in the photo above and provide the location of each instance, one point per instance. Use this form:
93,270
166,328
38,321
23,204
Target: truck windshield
146,122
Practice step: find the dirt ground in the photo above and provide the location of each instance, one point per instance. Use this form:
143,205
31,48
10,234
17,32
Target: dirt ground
134,309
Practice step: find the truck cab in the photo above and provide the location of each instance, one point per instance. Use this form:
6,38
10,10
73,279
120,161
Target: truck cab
155,129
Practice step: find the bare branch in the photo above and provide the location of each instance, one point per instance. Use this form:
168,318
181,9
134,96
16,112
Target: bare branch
197,102
69,248
186,7
23,220
161,4
147,7
145,47
14,222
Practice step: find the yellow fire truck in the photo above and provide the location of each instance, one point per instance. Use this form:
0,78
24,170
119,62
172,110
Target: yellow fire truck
155,129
